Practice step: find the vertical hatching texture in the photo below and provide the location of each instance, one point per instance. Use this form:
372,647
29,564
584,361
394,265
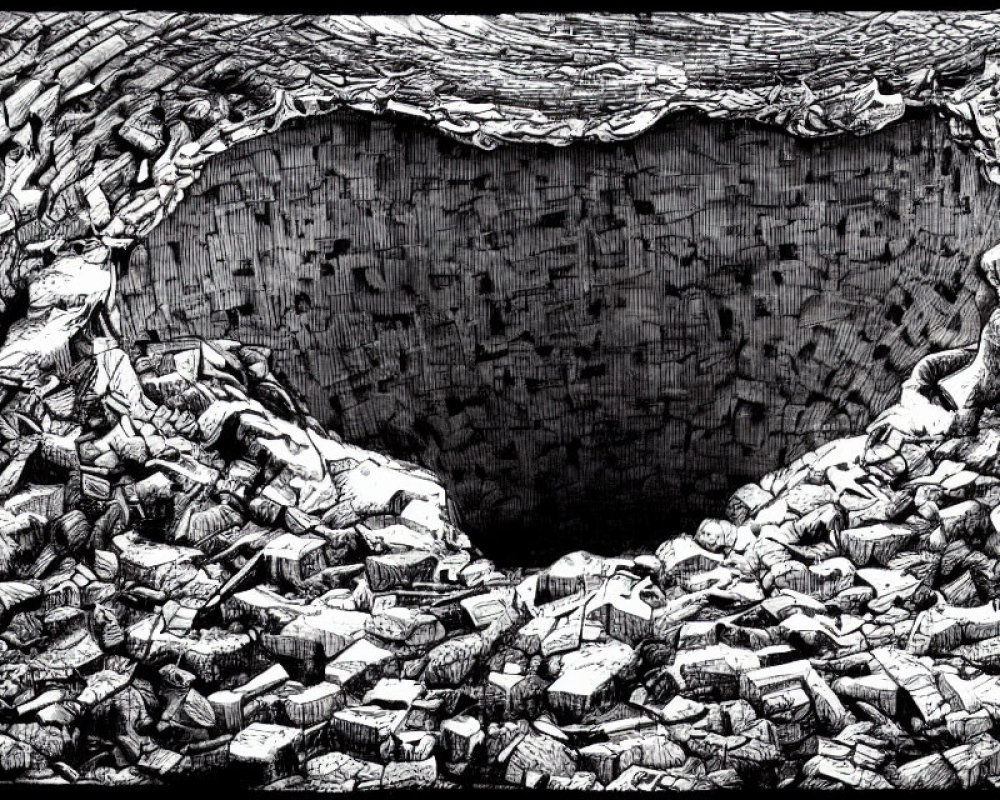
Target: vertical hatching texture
562,331
108,116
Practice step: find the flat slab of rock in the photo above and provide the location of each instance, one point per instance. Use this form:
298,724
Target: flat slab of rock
874,543
293,559
359,665
139,559
264,743
314,704
367,730
916,680
394,570
333,629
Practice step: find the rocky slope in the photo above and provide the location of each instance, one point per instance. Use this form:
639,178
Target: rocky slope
200,581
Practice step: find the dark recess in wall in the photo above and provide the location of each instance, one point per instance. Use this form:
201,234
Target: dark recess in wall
591,345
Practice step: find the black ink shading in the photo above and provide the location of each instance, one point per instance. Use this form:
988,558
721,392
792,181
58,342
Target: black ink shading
556,401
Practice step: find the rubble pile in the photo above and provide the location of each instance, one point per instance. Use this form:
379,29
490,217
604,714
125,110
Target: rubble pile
198,581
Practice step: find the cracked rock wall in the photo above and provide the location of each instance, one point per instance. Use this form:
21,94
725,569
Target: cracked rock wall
580,341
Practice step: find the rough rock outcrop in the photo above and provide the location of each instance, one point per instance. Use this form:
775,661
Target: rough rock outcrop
198,580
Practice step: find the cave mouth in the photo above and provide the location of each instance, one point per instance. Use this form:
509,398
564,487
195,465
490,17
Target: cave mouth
592,346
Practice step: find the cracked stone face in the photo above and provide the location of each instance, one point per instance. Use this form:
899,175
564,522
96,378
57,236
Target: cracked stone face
199,578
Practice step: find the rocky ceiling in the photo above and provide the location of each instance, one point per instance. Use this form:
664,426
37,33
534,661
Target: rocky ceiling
108,117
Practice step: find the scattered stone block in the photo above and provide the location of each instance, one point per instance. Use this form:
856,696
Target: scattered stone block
358,666
274,747
293,559
333,629
399,570
366,731
313,705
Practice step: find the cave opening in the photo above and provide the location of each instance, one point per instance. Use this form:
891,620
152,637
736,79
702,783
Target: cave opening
592,346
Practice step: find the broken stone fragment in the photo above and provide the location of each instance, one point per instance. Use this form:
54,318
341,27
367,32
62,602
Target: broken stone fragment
331,628
275,747
890,586
512,695
714,670
984,654
961,591
878,543
530,636
148,562
205,525
928,772
788,602
974,761
771,689
745,502
571,574
228,704
645,779
368,489
844,773
607,760
540,755
965,727
393,570
394,693
682,557
716,535
76,651
450,662
358,666
968,520
485,609
343,772
211,656
879,690
461,737
409,625
917,680
620,606
366,731
420,774
424,516
819,523
942,628
17,595
821,581
45,501
255,604
586,679
819,632
314,704
396,539
450,566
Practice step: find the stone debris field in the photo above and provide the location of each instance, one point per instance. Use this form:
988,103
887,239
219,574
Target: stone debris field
199,581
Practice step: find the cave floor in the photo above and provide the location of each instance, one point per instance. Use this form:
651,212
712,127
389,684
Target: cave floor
201,583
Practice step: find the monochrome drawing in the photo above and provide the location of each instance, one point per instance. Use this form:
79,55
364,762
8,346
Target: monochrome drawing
588,401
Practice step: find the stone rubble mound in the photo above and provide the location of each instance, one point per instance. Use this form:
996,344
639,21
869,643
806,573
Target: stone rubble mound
198,581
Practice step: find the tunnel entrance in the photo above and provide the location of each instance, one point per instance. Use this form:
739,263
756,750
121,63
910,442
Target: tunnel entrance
593,345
